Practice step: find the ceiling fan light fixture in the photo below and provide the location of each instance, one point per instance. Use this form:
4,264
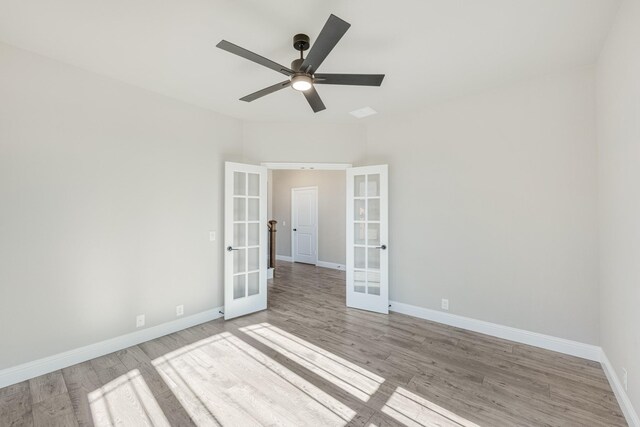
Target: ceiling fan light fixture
303,76
301,82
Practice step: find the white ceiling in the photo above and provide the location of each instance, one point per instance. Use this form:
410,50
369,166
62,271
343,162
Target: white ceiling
428,49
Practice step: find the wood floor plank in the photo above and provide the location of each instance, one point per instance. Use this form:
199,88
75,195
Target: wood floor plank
16,405
310,360
81,380
134,358
46,386
56,411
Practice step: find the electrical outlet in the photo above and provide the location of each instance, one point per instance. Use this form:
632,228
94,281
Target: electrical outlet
212,236
624,378
284,223
445,304
179,310
139,320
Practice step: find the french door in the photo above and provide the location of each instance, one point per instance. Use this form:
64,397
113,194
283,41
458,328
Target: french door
245,237
367,238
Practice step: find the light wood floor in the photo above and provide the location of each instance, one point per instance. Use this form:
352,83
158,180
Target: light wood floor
308,360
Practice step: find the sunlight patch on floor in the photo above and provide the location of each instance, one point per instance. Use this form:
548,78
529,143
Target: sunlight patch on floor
413,410
222,380
126,400
348,376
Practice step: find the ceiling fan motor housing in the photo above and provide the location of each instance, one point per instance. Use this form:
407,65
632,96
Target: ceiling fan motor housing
301,42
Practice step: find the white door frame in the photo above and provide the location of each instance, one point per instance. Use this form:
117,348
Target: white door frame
293,236
306,166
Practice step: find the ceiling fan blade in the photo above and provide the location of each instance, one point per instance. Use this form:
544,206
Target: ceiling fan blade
349,79
247,54
330,35
266,91
314,99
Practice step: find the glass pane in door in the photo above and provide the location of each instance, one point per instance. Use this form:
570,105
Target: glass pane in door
374,209
239,235
359,206
373,259
253,262
373,185
253,285
239,208
253,237
360,260
373,234
373,282
238,286
359,188
239,261
254,209
360,281
239,183
359,235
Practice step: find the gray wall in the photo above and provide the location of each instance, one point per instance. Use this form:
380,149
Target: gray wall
331,210
107,194
303,142
492,199
619,195
493,205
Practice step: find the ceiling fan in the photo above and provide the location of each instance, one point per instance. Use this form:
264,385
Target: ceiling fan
302,74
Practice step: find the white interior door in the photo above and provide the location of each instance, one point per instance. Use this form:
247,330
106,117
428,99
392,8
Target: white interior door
304,224
245,237
367,238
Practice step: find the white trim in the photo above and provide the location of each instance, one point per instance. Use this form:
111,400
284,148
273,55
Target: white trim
307,166
293,224
25,371
284,258
621,395
561,345
332,265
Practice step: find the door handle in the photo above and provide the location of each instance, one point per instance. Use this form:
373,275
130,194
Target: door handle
383,247
231,248
295,229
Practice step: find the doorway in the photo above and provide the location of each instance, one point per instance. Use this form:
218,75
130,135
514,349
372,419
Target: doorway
359,234
309,206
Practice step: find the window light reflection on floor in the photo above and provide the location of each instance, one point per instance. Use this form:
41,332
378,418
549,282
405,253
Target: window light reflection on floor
222,380
348,376
125,400
412,410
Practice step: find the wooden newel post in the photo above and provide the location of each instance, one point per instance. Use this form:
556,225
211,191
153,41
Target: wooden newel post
272,243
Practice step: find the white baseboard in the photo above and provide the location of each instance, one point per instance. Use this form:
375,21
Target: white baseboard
621,395
270,273
48,364
323,264
333,265
561,345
